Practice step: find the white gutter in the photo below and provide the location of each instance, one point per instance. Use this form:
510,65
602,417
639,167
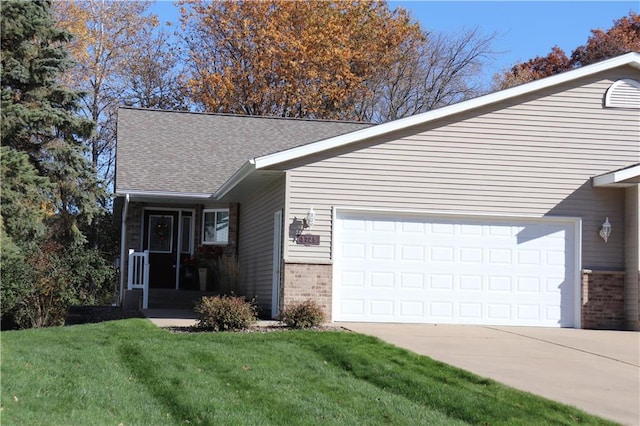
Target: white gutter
123,235
135,193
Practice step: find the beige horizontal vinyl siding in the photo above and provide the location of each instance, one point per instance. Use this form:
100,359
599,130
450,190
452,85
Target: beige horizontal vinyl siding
256,240
533,156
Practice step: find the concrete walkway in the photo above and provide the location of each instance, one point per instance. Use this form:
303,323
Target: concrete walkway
597,371
171,317
183,318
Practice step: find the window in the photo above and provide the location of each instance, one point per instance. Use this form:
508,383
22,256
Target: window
160,233
186,235
215,229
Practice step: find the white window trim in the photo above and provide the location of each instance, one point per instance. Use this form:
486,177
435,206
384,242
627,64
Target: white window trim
214,211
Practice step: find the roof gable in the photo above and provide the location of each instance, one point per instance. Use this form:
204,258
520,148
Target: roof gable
630,59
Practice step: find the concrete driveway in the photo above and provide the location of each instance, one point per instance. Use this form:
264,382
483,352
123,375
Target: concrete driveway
597,371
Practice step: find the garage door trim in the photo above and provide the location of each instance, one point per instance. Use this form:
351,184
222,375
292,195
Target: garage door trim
574,222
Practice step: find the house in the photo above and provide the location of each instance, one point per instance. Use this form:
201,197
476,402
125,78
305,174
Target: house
520,207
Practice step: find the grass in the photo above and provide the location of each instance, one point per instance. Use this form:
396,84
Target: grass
129,372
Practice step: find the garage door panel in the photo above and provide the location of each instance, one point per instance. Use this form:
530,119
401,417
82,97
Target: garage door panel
470,311
470,255
383,252
352,307
499,311
381,308
445,270
352,279
382,280
414,281
470,283
354,251
412,227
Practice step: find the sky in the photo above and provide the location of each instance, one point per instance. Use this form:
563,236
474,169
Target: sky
524,29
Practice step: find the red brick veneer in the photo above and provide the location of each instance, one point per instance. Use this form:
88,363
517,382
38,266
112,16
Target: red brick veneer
603,300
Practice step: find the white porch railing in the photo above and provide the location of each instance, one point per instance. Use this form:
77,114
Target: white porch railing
138,277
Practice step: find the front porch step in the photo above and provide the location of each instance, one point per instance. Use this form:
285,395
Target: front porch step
175,299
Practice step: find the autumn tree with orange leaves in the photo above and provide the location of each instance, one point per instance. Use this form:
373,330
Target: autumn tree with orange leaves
290,59
621,38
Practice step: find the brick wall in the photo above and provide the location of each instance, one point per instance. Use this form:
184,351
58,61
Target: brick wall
232,248
302,281
603,305
134,239
632,300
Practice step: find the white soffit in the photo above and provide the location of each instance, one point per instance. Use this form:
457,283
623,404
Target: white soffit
617,178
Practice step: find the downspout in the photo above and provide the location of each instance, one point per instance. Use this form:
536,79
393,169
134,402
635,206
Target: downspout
123,236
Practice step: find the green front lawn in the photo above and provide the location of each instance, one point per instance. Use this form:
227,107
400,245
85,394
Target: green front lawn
130,372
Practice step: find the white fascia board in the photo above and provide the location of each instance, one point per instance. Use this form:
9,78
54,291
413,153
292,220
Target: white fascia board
617,176
632,59
244,171
136,193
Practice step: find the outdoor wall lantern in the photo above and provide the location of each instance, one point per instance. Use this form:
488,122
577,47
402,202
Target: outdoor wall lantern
309,220
605,230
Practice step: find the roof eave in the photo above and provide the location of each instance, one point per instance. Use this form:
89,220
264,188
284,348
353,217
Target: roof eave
243,172
143,195
618,178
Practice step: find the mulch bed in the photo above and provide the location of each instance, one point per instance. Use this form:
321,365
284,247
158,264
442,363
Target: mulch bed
254,329
95,314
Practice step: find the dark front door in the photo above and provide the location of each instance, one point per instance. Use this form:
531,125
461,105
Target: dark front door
161,239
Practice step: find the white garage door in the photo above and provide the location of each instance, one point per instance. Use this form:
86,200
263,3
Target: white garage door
451,270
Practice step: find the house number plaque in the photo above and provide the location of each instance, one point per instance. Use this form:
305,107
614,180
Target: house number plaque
308,240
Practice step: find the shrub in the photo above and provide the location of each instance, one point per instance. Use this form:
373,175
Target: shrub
225,313
303,315
40,283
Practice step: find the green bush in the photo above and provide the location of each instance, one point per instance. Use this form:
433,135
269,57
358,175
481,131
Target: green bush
225,313
38,286
306,314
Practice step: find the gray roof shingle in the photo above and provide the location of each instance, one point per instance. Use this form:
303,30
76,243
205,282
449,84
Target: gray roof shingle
176,151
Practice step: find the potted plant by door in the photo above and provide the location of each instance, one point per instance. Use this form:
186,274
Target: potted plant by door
188,273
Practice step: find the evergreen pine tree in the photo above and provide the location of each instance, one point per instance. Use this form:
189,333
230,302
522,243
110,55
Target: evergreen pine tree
48,186
39,116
